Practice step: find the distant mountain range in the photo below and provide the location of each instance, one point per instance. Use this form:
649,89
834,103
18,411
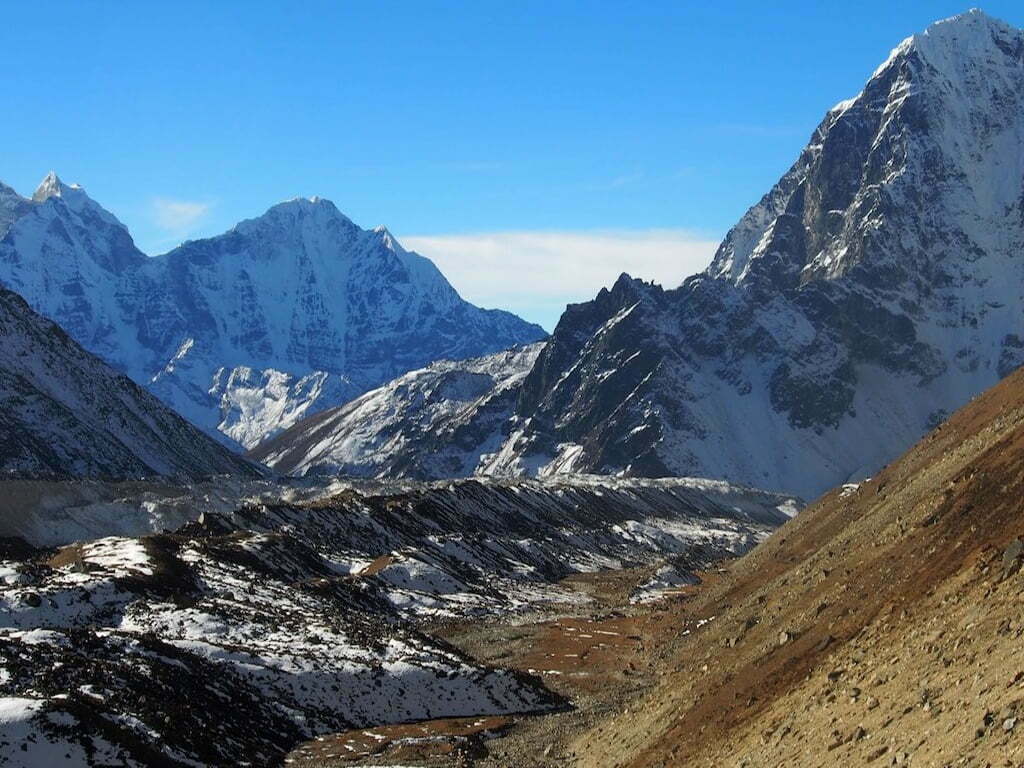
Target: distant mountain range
876,288
247,332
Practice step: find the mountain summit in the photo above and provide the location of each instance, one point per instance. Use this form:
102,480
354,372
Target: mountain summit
874,289
943,108
243,333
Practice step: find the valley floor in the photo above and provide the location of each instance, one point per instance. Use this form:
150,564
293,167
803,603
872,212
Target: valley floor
693,680
600,657
257,624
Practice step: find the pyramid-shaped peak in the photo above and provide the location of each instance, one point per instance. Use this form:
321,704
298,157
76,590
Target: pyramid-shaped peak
970,30
51,186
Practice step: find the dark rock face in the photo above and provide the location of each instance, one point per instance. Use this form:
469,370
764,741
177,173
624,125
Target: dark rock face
876,287
66,411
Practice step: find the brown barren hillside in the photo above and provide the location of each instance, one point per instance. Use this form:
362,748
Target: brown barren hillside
881,626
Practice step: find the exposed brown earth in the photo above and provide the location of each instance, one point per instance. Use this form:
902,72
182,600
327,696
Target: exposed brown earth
434,739
608,653
883,625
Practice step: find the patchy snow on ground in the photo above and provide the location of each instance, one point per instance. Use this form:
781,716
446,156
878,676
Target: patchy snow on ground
250,629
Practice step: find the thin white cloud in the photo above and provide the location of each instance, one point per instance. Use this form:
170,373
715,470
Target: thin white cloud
179,217
537,273
618,182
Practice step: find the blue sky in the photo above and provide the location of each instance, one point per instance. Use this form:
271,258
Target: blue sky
534,149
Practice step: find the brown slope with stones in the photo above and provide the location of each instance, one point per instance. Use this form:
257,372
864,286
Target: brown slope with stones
881,626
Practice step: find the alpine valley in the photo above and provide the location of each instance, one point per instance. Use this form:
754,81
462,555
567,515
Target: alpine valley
282,497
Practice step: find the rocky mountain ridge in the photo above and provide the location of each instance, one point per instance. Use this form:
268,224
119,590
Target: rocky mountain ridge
249,630
432,422
875,289
64,410
881,626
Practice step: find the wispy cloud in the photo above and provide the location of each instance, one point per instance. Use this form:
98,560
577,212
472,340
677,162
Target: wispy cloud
536,273
179,217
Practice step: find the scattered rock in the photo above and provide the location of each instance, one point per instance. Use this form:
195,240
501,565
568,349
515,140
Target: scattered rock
1012,557
877,753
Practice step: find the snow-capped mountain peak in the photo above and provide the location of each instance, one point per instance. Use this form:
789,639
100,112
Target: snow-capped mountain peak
75,198
50,186
946,101
965,35
243,333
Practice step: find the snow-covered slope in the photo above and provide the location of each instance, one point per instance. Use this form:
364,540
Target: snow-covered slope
246,632
432,422
876,288
245,333
64,410
51,511
12,207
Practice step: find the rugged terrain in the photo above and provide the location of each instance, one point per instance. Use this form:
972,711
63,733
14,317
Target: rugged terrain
245,333
433,422
243,633
64,410
881,626
873,291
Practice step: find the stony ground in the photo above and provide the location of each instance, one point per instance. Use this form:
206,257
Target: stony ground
606,652
883,626
244,633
